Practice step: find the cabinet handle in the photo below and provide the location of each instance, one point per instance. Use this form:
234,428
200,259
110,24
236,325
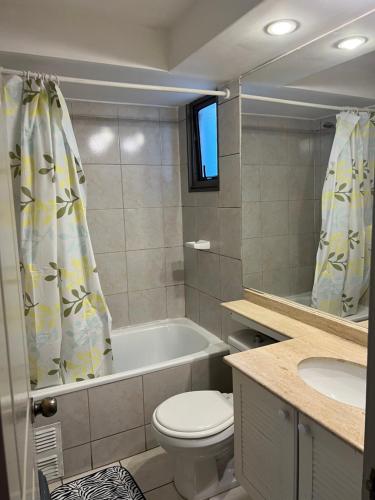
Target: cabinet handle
283,414
303,429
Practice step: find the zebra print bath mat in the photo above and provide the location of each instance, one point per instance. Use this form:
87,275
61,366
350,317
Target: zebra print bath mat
114,483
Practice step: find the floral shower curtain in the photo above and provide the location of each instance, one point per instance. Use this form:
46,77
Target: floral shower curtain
343,260
67,321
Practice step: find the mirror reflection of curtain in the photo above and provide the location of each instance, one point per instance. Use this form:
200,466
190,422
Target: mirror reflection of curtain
343,259
67,321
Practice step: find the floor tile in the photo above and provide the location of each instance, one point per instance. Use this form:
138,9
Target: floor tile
150,469
167,492
54,485
92,471
234,494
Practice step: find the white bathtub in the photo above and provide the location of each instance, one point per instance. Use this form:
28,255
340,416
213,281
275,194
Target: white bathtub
148,348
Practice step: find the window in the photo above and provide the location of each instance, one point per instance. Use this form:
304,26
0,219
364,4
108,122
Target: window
202,136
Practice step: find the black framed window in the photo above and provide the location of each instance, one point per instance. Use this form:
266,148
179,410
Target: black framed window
202,137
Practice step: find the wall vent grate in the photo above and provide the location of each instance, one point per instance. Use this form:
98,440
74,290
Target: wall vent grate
48,448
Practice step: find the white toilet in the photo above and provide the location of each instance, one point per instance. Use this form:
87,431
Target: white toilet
196,429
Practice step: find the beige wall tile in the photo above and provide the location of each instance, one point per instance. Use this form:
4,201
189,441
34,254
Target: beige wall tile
73,413
140,142
151,441
136,112
169,143
207,224
97,140
277,281
175,301
118,307
301,183
174,265
106,230
116,407
146,269
147,305
210,313
211,374
144,228
192,303
168,114
274,183
161,385
251,219
252,255
208,273
230,232
230,181
171,185
172,217
142,186
77,460
301,216
112,272
93,109
229,127
250,180
274,217
230,279
191,267
275,252
103,186
117,447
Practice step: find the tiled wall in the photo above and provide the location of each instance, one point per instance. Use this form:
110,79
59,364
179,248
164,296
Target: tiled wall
214,276
283,167
112,421
131,160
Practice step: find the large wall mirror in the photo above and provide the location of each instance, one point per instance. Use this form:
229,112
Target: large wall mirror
308,176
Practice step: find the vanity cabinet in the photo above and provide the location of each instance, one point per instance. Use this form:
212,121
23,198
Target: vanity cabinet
329,468
265,441
281,454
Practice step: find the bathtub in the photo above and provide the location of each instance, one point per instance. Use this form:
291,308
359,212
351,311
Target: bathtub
149,347
107,419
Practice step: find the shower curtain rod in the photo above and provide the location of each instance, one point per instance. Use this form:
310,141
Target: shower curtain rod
137,86
302,103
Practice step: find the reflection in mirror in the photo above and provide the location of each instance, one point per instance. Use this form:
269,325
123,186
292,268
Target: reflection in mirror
307,185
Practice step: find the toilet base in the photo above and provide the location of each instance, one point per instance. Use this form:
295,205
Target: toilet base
200,479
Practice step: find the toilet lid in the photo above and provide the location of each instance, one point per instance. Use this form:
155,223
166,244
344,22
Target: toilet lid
196,414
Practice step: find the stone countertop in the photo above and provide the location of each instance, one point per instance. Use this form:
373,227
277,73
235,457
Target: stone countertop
275,367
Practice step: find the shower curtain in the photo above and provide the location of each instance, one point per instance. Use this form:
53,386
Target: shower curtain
343,259
67,321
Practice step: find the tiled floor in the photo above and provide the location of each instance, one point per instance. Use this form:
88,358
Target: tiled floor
152,471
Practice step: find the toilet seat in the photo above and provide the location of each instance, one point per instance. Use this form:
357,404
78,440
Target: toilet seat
194,415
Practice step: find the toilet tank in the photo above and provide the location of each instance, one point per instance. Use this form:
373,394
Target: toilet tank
246,339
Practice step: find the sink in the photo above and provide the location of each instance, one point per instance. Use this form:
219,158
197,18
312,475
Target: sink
338,379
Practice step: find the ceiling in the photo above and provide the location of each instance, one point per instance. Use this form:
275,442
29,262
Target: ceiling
197,43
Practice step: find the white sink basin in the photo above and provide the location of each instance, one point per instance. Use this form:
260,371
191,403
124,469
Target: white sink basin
337,379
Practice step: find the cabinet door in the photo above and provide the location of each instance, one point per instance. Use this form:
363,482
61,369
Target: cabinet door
265,441
329,469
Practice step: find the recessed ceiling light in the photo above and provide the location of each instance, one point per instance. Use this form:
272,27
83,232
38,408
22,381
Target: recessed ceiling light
281,27
351,43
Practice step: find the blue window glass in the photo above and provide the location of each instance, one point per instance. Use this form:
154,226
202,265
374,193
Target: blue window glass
207,120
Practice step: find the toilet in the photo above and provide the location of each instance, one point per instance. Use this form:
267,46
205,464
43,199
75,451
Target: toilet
196,430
